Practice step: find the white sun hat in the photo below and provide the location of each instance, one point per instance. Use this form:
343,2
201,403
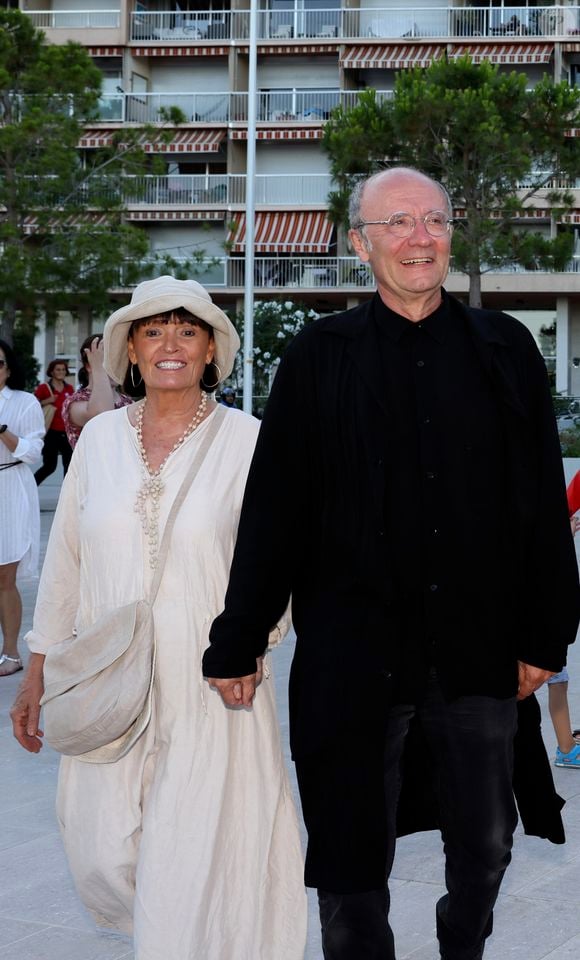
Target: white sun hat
159,296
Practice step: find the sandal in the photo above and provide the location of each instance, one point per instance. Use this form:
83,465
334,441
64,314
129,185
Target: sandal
571,759
6,659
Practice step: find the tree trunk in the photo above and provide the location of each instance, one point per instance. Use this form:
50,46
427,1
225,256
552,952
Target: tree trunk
475,289
7,321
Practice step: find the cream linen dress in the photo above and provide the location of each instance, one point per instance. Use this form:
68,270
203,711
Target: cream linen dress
191,840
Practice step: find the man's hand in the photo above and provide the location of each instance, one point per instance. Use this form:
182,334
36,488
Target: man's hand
238,691
530,679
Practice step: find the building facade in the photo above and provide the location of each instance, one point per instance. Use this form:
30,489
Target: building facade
312,55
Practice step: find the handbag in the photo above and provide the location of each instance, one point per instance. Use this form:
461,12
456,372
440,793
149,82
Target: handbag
98,683
48,410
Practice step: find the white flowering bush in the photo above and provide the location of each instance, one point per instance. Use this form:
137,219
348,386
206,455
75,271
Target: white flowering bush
275,323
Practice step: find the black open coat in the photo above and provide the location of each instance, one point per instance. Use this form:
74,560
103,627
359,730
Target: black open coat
312,528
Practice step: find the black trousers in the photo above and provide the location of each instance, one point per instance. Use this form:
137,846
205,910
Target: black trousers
471,742
55,442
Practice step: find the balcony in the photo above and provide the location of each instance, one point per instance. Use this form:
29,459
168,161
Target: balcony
226,190
330,24
334,23
277,106
332,274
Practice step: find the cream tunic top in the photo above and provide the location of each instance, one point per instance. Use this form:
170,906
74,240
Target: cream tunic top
191,840
19,506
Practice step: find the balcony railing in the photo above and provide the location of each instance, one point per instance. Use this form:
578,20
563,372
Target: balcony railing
183,25
226,189
74,19
303,105
305,273
381,22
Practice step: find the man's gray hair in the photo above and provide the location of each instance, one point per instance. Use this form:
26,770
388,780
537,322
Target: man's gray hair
355,201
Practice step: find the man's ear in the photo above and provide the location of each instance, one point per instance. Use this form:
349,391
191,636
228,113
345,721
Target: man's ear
359,246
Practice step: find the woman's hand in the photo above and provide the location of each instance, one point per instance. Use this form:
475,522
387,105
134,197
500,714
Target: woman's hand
25,712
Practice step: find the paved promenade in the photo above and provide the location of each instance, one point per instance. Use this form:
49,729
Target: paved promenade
537,917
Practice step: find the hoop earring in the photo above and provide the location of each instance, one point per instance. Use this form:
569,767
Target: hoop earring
207,387
132,375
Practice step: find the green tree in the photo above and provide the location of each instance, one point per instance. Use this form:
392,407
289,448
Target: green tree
495,145
276,322
64,239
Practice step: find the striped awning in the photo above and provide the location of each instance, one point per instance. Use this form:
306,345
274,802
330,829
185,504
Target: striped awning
176,51
31,223
183,141
288,232
504,52
105,51
393,57
289,133
181,215
571,46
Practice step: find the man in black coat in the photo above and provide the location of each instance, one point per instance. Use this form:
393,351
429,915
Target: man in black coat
407,492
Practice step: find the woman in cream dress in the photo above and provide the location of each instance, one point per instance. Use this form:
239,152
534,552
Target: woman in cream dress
190,841
21,433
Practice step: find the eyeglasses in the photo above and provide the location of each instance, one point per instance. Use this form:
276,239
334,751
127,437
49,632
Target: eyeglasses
436,222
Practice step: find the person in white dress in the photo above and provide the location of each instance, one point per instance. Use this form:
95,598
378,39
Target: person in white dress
21,437
191,840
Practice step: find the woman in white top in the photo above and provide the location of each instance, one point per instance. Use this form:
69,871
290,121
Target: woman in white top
190,841
21,433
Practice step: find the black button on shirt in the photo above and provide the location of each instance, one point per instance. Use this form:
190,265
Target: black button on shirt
443,496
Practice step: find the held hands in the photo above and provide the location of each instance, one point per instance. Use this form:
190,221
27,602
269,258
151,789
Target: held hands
238,691
25,712
531,679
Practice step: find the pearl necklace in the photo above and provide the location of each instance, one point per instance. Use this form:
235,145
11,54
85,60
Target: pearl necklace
149,495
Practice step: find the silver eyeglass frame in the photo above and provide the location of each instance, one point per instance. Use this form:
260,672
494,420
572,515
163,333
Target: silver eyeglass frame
416,220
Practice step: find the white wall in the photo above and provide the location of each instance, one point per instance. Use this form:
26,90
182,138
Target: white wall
277,72
192,74
291,158
181,240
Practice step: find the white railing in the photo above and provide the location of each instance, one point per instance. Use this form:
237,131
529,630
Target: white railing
296,104
376,22
304,273
183,25
203,107
350,98
73,19
225,189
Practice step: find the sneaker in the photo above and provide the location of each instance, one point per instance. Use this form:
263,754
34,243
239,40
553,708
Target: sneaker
571,759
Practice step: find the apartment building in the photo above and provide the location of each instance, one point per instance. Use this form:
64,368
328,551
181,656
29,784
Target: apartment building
312,55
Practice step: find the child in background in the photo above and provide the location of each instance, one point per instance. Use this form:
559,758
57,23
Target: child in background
568,749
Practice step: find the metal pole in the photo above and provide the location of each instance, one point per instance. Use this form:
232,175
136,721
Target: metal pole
250,211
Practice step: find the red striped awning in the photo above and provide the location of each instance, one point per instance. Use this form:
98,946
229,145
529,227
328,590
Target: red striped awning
393,57
175,51
30,224
183,141
504,52
571,47
290,133
149,215
105,51
284,233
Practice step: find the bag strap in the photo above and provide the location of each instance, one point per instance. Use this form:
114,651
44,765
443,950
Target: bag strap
212,430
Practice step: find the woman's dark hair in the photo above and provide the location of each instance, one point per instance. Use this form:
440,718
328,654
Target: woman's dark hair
55,363
82,375
133,384
16,380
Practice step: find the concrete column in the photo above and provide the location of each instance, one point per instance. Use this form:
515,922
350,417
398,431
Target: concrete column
563,359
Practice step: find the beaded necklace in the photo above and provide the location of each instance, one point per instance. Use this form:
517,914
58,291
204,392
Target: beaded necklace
149,494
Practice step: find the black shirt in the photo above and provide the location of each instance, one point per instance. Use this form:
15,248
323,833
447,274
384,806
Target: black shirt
445,521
